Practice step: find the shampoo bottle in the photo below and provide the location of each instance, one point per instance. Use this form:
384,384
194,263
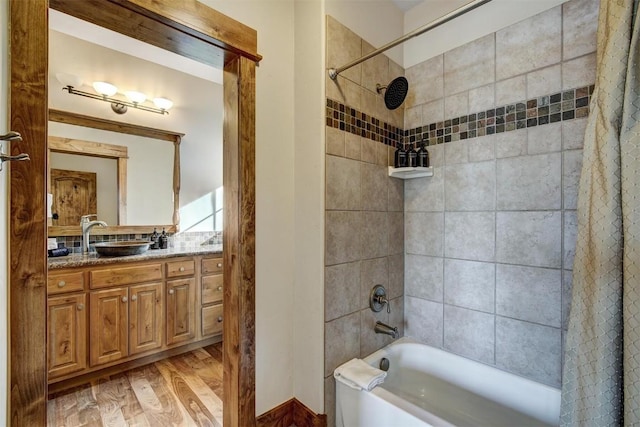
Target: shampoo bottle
400,156
423,156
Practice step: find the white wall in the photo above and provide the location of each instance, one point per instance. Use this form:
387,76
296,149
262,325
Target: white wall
308,302
4,197
274,193
487,19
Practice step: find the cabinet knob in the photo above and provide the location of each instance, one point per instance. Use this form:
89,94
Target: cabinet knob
124,299
80,307
171,291
219,265
62,284
134,297
219,319
181,269
219,288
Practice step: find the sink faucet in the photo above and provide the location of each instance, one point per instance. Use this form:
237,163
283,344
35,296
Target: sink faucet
86,229
382,328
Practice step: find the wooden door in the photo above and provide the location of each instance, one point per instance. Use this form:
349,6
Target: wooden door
67,332
108,325
74,195
146,316
181,311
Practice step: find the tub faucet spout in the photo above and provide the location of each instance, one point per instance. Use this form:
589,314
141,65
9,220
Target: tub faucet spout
382,328
86,229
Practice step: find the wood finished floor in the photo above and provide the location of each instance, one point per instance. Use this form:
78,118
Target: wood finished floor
184,390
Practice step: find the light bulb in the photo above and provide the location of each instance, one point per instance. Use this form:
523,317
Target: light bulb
105,89
163,103
136,97
69,79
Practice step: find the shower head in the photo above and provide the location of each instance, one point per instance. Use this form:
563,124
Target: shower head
395,92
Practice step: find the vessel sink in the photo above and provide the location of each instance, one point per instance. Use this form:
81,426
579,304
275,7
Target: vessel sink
131,247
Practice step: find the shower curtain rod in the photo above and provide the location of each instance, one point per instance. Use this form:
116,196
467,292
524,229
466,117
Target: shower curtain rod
333,72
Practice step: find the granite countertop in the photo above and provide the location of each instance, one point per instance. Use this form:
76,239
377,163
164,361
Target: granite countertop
78,260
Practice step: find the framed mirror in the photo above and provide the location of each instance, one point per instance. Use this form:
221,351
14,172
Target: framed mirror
117,172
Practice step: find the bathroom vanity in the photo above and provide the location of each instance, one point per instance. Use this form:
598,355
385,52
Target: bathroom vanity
126,311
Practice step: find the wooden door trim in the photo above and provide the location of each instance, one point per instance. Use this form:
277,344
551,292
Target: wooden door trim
28,225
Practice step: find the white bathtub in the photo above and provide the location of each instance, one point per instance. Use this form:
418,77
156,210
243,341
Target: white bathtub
426,386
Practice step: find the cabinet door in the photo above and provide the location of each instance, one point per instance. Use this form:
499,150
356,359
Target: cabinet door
212,290
212,320
67,332
181,310
108,325
145,317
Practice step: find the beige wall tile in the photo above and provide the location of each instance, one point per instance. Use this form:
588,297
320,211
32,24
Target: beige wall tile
352,146
482,98
342,341
544,82
456,105
374,70
342,237
341,290
579,72
343,46
342,183
334,141
433,111
580,24
413,117
531,44
374,186
511,90
469,66
425,82
345,91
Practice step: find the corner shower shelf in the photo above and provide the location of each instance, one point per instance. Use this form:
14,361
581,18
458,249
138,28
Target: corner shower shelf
408,173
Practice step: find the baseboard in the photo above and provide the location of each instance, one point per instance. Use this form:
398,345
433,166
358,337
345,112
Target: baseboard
292,412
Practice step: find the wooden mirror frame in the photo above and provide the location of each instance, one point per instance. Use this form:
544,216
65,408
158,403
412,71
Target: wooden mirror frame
57,144
191,29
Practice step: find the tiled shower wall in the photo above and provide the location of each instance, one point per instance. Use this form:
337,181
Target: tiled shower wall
489,239
364,207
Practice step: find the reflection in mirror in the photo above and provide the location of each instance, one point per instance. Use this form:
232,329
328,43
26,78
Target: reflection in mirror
92,53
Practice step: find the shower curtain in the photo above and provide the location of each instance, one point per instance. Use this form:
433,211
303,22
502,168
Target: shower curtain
601,377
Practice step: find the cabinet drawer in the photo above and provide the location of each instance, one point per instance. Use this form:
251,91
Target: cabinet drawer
212,289
211,265
65,282
181,268
212,320
124,275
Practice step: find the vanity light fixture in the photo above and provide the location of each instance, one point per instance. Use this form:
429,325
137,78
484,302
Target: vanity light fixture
135,99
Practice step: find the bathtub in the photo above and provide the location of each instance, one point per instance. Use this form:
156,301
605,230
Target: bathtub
426,386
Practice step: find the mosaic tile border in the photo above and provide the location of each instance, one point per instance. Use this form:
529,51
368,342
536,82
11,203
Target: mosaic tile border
560,106
181,240
345,118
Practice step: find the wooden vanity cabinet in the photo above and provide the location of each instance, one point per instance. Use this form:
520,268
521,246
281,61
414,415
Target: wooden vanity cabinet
125,322
212,295
67,323
108,338
181,311
104,315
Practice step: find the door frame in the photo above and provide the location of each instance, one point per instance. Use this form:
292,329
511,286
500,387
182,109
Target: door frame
186,27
